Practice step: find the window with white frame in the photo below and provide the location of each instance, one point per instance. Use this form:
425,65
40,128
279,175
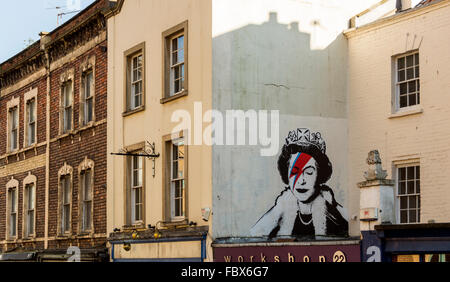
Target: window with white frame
86,190
177,181
30,122
408,193
13,128
66,106
29,209
408,80
177,64
136,81
65,208
87,97
12,208
175,52
136,189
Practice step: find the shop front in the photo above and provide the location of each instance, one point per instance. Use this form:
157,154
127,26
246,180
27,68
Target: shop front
428,242
314,251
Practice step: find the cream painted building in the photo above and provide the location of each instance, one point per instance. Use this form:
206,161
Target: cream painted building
160,197
398,104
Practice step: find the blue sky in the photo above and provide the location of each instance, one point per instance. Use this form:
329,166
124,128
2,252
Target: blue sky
22,20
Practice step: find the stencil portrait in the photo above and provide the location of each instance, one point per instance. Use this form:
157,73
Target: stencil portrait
307,206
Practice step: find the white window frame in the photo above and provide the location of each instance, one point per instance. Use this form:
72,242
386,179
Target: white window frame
28,97
29,229
136,80
12,189
180,65
87,197
406,195
416,78
66,172
66,80
173,181
86,100
14,103
67,108
85,166
14,129
136,188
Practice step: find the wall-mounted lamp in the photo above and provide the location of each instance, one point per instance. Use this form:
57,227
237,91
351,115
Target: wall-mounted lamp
127,246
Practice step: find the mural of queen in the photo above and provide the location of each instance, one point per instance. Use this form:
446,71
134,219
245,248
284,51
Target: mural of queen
306,207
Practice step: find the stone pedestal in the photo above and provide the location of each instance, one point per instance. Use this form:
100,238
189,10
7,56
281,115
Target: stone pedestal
376,195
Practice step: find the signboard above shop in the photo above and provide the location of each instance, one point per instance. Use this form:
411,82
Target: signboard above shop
288,252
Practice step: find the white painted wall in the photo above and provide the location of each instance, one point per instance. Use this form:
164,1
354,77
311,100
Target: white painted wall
286,55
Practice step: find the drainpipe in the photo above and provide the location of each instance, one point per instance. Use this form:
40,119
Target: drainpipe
44,41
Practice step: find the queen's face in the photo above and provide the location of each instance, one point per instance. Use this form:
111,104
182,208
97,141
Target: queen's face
302,175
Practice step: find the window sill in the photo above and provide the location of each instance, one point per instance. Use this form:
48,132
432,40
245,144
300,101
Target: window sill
130,112
175,223
87,126
133,227
63,236
174,97
85,235
406,112
30,238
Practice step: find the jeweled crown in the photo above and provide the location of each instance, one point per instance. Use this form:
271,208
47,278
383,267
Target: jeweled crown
303,136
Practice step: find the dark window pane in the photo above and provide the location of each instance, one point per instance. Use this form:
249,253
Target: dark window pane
177,207
175,170
177,86
417,172
174,44
402,173
401,63
412,202
413,216
175,152
411,86
410,173
412,99
416,58
174,58
403,203
417,72
409,61
418,202
410,187
403,101
417,186
403,216
402,188
403,88
410,73
401,75
418,98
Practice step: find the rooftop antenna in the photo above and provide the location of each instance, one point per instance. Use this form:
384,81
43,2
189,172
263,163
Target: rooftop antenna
60,15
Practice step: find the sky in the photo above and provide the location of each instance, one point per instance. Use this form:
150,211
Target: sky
21,21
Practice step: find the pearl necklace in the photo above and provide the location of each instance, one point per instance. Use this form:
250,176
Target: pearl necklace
304,223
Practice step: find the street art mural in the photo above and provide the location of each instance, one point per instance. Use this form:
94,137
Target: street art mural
307,206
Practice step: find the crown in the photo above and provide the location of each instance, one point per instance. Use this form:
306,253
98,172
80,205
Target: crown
303,136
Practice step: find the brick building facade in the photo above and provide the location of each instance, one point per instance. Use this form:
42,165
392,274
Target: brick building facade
53,143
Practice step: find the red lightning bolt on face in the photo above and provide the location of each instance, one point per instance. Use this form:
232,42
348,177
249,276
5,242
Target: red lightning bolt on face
297,168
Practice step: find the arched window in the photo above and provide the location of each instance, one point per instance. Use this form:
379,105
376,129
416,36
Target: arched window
86,196
12,188
29,206
65,200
